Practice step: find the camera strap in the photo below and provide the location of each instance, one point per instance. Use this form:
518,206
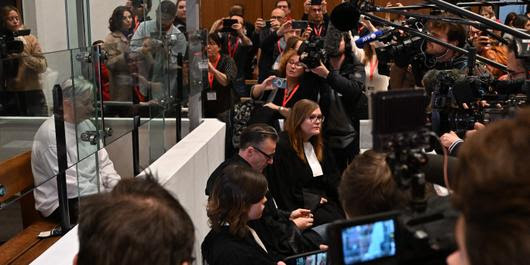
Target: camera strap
211,75
232,50
287,96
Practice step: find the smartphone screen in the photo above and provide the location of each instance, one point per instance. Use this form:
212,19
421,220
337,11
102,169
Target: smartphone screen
227,25
367,242
279,82
311,258
299,24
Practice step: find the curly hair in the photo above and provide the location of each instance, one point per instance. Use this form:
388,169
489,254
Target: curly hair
116,20
233,194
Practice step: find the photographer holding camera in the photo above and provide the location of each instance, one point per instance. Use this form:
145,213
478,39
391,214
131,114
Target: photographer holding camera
20,91
342,97
436,56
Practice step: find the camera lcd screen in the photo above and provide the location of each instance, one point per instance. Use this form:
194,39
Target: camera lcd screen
368,242
311,258
371,239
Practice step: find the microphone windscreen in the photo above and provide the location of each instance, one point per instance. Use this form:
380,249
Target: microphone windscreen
332,41
345,16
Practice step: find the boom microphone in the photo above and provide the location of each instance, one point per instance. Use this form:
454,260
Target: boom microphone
345,16
369,38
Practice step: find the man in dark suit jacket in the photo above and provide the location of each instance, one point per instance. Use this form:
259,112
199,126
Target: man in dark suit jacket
283,233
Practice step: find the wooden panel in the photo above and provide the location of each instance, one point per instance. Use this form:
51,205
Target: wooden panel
212,10
15,175
26,245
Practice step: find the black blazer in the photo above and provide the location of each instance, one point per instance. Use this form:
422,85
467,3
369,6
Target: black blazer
293,186
222,248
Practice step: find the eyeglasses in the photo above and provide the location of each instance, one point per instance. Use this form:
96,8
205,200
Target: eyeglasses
269,157
315,118
296,64
277,17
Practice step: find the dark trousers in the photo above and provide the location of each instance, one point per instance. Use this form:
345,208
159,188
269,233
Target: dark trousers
23,103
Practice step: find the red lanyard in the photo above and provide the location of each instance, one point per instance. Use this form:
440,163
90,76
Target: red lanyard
319,31
231,51
287,96
279,47
372,68
211,75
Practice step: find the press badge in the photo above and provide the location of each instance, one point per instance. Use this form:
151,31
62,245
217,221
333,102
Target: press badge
212,95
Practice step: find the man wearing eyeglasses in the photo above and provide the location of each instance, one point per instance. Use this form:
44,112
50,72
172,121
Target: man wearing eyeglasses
272,40
283,233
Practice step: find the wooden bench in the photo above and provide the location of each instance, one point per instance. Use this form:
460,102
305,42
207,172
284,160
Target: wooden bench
17,181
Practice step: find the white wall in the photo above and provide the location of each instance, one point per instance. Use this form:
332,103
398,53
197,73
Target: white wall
183,170
47,21
100,12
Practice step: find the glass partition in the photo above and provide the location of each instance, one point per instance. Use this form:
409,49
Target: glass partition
149,77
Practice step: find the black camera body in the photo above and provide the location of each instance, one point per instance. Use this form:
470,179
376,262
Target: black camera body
312,52
10,45
400,130
451,89
403,53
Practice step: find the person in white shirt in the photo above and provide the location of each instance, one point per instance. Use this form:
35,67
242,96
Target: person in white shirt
150,39
88,171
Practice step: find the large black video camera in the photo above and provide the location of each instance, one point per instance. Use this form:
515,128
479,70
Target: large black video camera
403,49
10,45
452,90
400,130
312,52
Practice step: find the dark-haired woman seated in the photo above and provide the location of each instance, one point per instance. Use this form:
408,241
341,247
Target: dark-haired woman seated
304,173
237,197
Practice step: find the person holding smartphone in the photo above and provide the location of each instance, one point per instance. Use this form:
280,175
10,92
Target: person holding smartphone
298,85
236,44
222,70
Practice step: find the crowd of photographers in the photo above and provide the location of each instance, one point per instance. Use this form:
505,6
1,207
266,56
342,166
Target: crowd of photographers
293,165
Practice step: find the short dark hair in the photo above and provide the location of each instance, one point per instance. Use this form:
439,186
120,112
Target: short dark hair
213,37
255,134
139,222
288,3
116,19
233,193
237,10
138,3
368,186
455,32
166,9
492,188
